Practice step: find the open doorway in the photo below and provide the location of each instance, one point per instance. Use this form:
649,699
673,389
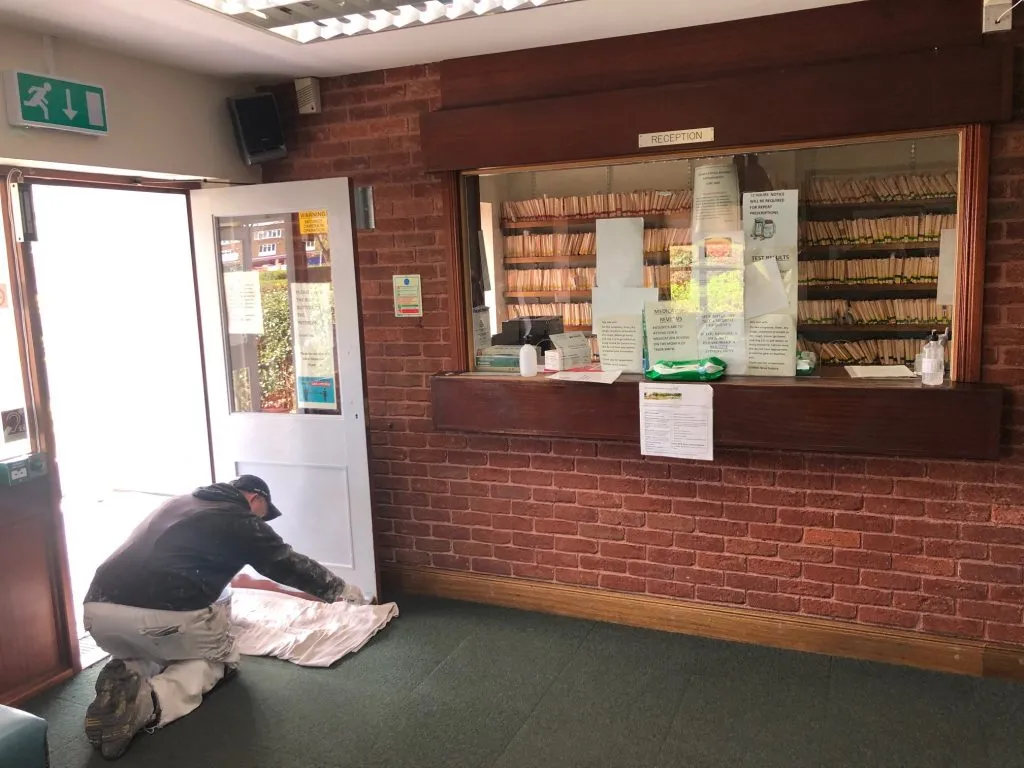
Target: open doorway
120,332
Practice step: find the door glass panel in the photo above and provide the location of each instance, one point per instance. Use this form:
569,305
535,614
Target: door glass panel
279,305
14,427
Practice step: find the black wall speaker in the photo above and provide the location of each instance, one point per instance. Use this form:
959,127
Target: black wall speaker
257,126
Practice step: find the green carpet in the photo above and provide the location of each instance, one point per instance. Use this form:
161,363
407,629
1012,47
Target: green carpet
456,685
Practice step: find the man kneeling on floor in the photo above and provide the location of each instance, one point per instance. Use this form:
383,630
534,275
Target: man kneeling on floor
160,605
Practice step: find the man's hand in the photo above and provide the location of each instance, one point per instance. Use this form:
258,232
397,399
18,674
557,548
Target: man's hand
353,594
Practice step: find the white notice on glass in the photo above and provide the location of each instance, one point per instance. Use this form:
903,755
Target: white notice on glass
313,310
612,302
724,336
677,421
621,340
771,346
946,294
620,253
244,304
770,219
716,198
671,331
575,349
765,289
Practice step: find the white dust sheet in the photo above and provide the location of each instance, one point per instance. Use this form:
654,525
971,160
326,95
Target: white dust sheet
305,632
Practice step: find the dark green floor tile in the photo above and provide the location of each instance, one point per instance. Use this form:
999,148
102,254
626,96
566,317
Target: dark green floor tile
999,707
466,712
611,706
750,706
883,716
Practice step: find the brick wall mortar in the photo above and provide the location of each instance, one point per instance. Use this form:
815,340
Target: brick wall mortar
934,546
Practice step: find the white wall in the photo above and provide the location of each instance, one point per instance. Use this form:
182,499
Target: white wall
162,120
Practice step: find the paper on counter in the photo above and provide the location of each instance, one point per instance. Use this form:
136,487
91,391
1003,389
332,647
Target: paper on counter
677,421
880,372
620,253
588,377
765,289
621,342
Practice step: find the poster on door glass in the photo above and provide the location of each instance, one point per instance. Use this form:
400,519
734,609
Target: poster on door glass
315,379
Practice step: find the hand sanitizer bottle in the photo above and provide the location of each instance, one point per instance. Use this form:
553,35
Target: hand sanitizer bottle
528,360
933,366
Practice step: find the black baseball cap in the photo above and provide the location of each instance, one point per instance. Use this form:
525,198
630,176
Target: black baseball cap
257,485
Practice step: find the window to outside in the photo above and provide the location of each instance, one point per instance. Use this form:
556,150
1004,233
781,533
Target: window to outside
845,251
280,317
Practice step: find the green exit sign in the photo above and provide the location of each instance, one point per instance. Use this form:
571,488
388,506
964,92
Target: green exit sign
39,101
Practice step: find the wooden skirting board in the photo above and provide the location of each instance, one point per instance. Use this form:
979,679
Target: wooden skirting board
798,633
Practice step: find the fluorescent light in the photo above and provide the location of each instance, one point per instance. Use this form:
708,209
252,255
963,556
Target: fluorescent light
406,15
320,25
381,20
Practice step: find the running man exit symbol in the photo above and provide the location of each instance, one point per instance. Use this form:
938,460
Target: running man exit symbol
39,101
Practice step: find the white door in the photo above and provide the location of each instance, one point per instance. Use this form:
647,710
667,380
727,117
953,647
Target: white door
280,317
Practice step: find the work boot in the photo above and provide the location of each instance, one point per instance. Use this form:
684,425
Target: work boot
123,706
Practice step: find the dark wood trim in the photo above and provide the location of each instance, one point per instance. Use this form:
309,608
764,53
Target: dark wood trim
965,364
106,181
908,92
872,28
33,689
458,302
833,415
797,633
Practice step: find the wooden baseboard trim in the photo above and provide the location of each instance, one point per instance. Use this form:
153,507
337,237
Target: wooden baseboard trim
31,690
798,633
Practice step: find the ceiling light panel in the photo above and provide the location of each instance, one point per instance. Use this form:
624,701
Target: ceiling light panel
311,21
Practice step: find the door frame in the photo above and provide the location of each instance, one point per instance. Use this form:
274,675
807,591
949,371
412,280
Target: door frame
29,327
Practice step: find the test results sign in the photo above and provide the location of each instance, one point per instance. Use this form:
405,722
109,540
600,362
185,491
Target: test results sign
40,101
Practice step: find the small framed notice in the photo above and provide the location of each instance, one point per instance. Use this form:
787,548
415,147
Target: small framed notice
408,296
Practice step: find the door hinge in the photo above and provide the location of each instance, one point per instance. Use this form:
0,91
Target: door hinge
23,213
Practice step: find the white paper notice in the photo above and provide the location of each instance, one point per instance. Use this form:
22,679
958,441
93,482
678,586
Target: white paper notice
724,337
770,219
313,310
481,328
671,332
716,198
575,349
621,340
677,421
613,302
946,295
620,253
244,303
765,289
771,346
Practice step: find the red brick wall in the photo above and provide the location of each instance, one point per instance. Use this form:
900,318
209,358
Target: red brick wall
931,546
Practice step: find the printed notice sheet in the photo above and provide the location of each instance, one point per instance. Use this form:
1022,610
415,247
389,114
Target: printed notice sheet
313,317
716,198
244,303
622,342
676,421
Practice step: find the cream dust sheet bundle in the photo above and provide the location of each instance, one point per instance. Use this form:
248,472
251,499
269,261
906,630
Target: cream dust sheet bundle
308,633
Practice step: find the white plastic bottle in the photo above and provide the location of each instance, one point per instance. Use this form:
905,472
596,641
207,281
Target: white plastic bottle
528,360
933,364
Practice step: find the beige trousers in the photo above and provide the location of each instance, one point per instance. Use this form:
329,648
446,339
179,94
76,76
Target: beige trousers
182,653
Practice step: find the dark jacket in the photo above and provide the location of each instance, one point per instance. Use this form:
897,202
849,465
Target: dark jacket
183,556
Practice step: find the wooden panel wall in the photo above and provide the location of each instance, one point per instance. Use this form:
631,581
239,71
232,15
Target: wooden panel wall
942,88
765,43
